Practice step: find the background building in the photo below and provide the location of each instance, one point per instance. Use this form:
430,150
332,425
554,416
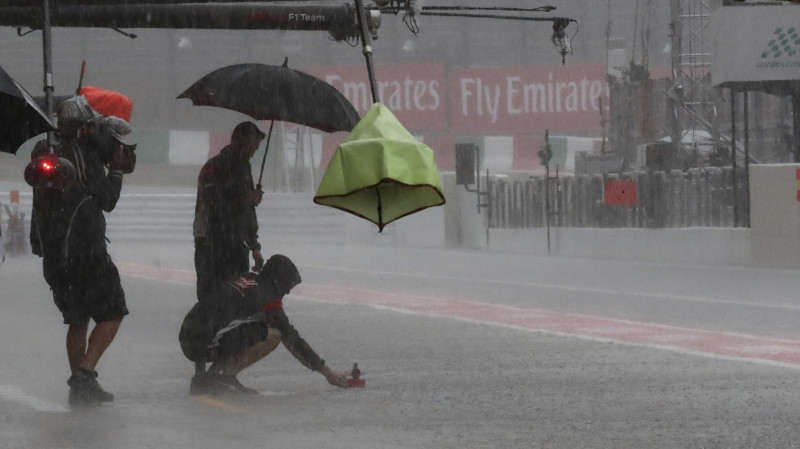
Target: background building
497,83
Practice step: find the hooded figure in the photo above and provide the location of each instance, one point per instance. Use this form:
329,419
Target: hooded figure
240,315
282,272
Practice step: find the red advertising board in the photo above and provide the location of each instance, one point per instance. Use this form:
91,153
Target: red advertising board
797,183
415,93
525,100
437,103
479,100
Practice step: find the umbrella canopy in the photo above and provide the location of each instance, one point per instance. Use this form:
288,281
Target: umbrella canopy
268,92
20,117
381,172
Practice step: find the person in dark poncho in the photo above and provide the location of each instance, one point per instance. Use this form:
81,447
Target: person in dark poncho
68,230
240,322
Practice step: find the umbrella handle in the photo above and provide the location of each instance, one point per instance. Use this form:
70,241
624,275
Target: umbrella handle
264,159
80,80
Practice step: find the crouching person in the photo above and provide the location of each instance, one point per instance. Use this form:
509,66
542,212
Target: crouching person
240,322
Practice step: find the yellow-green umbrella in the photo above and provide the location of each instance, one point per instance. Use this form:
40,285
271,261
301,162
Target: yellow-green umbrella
381,172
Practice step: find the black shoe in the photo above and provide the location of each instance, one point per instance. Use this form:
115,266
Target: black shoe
84,388
202,384
231,383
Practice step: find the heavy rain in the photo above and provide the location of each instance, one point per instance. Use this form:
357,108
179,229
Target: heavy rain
559,225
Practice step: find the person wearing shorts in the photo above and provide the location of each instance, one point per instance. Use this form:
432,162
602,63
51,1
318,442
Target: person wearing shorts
242,321
102,297
68,231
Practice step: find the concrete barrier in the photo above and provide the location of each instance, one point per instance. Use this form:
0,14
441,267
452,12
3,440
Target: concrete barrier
717,246
775,214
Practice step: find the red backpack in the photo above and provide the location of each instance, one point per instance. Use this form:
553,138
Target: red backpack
108,102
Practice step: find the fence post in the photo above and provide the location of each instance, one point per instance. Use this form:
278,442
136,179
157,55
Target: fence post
530,218
596,200
15,243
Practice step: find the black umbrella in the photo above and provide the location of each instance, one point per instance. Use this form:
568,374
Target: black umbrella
20,117
269,92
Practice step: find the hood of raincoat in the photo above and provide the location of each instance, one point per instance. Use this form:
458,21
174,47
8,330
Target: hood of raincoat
282,271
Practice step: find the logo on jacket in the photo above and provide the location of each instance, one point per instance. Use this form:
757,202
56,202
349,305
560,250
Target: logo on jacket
243,282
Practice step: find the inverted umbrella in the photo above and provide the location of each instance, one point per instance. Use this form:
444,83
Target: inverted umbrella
269,92
20,117
380,172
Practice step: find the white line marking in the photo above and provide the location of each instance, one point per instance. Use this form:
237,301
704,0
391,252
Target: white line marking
273,393
539,285
181,276
13,394
595,339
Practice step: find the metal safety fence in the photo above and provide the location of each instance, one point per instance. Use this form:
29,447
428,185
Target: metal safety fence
696,197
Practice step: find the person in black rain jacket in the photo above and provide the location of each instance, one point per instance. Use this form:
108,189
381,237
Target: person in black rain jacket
225,226
68,231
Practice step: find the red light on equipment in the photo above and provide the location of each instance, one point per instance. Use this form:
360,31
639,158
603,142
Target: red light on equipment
46,166
50,171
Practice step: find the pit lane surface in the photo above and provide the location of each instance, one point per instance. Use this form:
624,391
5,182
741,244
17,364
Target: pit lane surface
459,349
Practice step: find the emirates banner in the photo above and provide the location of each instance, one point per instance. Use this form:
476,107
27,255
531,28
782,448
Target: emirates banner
415,93
479,101
526,100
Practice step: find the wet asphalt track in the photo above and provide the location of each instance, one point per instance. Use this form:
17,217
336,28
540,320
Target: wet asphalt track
460,349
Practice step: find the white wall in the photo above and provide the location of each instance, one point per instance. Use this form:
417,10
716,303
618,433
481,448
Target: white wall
775,214
188,147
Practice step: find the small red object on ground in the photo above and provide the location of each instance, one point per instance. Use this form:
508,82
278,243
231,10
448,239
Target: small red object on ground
355,380
356,383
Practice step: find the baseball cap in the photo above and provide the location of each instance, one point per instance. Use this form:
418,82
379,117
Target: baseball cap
247,129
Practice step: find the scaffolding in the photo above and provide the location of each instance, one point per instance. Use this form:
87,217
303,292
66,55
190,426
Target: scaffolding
694,100
300,157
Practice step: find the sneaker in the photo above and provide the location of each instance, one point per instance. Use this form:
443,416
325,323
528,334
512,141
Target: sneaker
84,388
231,383
202,384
